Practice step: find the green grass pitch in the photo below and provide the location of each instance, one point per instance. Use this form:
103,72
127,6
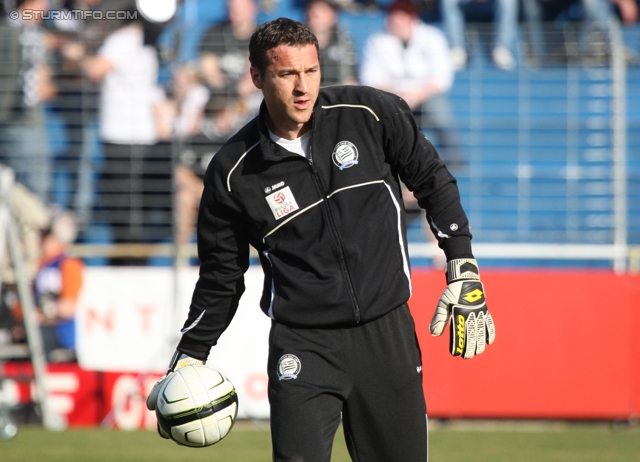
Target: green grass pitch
249,442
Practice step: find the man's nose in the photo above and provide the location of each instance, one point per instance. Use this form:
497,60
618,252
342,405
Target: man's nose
302,83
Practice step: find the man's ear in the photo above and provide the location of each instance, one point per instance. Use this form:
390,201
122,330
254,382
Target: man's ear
256,77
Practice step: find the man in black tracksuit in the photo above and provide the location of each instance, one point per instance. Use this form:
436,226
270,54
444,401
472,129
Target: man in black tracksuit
313,184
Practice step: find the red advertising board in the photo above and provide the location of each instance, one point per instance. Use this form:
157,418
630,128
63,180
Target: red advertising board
73,393
85,398
124,396
566,347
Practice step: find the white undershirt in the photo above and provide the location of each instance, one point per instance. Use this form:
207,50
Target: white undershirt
299,146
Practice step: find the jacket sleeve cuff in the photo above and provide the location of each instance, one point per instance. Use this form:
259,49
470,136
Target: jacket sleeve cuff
197,352
457,247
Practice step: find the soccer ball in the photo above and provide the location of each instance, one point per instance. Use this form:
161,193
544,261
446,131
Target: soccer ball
197,406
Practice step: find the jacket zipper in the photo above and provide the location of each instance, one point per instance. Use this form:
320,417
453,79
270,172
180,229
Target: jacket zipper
336,236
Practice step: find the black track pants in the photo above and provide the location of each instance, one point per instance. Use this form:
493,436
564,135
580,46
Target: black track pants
370,375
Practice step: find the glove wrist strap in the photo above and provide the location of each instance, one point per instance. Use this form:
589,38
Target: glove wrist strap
180,359
462,269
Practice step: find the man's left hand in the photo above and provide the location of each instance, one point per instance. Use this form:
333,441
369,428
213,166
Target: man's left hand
464,301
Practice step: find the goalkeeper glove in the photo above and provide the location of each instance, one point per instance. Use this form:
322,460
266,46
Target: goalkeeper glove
463,301
178,360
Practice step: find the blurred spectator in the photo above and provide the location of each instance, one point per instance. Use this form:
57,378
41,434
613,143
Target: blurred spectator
189,189
26,86
224,56
337,58
220,120
506,24
223,68
57,287
75,105
415,216
595,17
198,123
32,216
412,60
128,71
93,30
180,115
627,11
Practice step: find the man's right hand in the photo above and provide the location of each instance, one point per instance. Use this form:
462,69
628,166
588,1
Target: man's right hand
178,360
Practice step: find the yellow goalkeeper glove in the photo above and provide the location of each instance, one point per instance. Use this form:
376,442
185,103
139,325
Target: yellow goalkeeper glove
464,302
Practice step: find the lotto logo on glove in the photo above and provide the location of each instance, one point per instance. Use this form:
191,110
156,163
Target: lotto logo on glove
463,306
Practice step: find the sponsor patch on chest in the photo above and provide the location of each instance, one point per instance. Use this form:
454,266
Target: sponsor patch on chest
282,203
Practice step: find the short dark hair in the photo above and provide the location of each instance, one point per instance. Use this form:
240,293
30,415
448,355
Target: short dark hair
281,31
406,6
332,3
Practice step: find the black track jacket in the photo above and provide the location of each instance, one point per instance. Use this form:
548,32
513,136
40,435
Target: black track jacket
330,230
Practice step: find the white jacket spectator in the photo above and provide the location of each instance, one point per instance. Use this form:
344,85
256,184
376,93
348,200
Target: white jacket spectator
130,89
403,67
412,60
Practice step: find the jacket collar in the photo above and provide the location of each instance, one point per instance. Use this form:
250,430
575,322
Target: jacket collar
272,151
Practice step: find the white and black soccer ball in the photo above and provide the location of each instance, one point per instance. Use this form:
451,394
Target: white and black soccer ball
197,406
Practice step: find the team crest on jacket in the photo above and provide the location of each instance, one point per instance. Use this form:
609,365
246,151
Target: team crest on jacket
288,367
282,203
345,155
